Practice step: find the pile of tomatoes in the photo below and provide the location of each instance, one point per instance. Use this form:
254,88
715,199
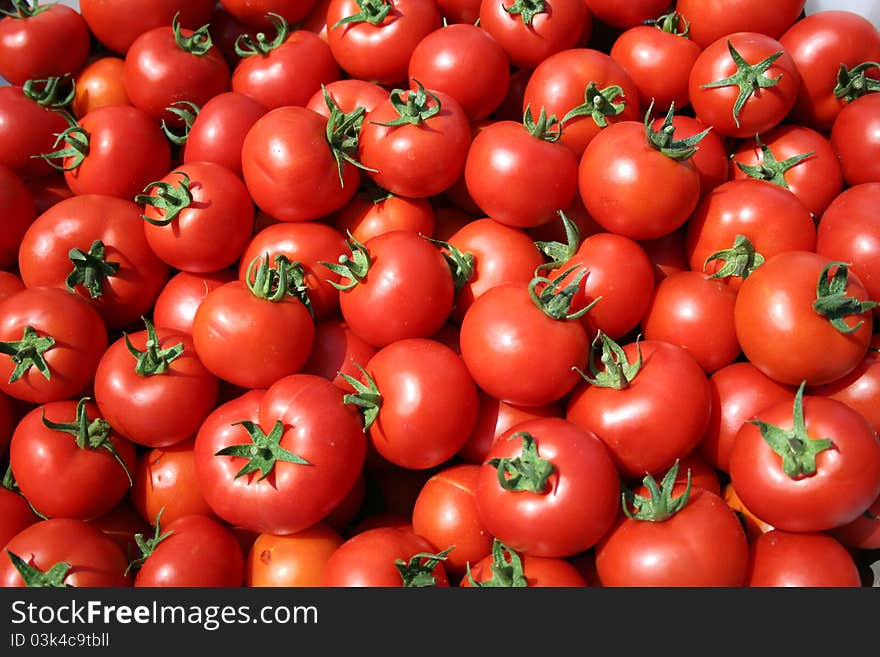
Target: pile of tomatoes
439,293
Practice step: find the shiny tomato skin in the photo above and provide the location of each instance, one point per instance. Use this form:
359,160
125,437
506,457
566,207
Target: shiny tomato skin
578,505
863,533
293,560
96,559
26,130
336,350
99,83
624,15
19,213
199,552
540,572
710,21
253,12
804,559
348,94
711,158
364,218
181,295
855,138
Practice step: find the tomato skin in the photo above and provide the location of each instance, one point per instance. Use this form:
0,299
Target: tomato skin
219,130
445,513
294,560
181,295
364,218
75,223
96,559
780,332
165,480
349,94
336,350
701,545
579,504
805,559
26,129
667,253
429,403
863,533
854,138
711,159
199,552
52,42
99,83
753,525
19,214
367,559
194,241
626,15
761,112
701,472
253,12
847,477
48,190
80,339
15,514
540,572
652,421
709,21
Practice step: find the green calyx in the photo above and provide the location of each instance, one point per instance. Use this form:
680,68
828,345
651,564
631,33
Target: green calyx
661,505
558,252
525,472
417,572
28,352
419,106
366,396
263,452
546,128
245,46
771,169
76,149
664,139
354,267
526,9
198,43
89,434
507,569
52,92
555,302
34,578
371,11
672,23
170,199
739,260
146,546
25,9
598,104
90,269
617,371
187,112
343,133
832,302
153,359
797,449
852,82
461,263
275,283
748,77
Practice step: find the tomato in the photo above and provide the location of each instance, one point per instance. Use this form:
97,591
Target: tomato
693,311
626,15
87,556
181,295
336,351
701,472
27,129
396,285
48,190
19,214
68,443
676,536
199,217
586,90
459,11
505,568
427,402
87,245
855,138
254,12
50,345
863,533
374,39
743,83
165,480
803,317
650,405
10,283
15,514
667,253
39,41
364,217
548,488
117,23
348,94
122,523
794,157
711,158
804,559
293,560
445,513
848,231
809,469
739,392
263,460
285,71
219,129
386,557
753,525
290,168
709,21
100,83
819,44
737,209
658,56
191,551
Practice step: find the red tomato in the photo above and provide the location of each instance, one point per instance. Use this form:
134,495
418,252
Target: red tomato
701,472
15,514
624,15
505,568
711,158
50,345
364,217
254,12
181,295
710,21
863,533
19,213
100,83
548,488
294,560
805,559
667,253
71,445
855,138
26,129
90,558
348,94
336,351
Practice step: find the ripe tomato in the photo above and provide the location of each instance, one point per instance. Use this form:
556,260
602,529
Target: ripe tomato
181,295
711,158
505,568
855,138
15,514
753,525
100,83
255,12
26,129
806,559
626,15
548,488
293,560
365,217
348,94
50,344
336,351
64,552
863,533
19,214
709,21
